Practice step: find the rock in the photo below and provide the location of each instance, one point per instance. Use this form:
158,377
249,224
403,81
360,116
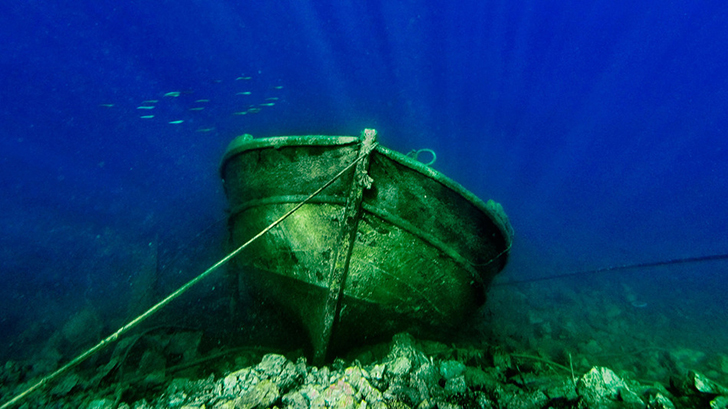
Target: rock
371,395
424,380
225,404
420,389
720,402
402,345
262,395
295,400
451,369
319,376
67,383
704,385
272,364
142,404
478,379
399,367
456,385
311,392
601,387
697,383
563,390
659,401
426,404
289,377
101,404
235,382
377,372
534,400
481,399
502,360
340,395
407,378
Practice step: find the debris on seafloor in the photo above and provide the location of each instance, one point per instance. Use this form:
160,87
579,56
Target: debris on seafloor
422,375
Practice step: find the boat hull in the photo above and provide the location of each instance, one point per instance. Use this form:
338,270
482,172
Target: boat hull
425,249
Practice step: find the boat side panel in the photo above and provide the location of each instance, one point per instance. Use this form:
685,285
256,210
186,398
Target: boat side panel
439,212
291,170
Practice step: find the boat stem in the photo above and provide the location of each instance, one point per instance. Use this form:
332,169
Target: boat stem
343,248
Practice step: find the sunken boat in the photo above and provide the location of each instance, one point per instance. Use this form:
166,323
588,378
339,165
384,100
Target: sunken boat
373,242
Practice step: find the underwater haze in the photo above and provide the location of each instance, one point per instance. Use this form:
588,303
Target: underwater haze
601,127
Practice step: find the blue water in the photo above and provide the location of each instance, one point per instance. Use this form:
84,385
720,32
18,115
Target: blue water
601,127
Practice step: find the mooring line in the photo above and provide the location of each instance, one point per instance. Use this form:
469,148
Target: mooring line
113,337
683,260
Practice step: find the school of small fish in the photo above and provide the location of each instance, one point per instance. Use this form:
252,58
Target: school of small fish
247,106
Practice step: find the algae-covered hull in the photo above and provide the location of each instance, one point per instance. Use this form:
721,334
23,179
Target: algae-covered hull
421,254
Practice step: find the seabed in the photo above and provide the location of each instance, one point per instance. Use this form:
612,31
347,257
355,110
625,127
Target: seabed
539,345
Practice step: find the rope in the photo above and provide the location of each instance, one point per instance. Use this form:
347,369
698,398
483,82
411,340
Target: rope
414,154
684,260
113,337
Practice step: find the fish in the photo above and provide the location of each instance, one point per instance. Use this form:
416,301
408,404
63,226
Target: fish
242,78
272,99
197,109
205,129
150,101
145,107
278,87
203,100
106,105
173,94
146,116
179,121
240,113
269,104
244,93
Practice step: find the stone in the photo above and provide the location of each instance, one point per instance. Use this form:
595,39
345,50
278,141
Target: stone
502,360
67,383
289,377
262,395
377,372
703,384
272,364
478,379
225,404
399,367
456,385
295,400
371,395
660,401
311,392
534,400
101,404
719,402
601,387
339,393
451,369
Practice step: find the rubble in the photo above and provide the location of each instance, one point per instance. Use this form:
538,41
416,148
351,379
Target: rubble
412,375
